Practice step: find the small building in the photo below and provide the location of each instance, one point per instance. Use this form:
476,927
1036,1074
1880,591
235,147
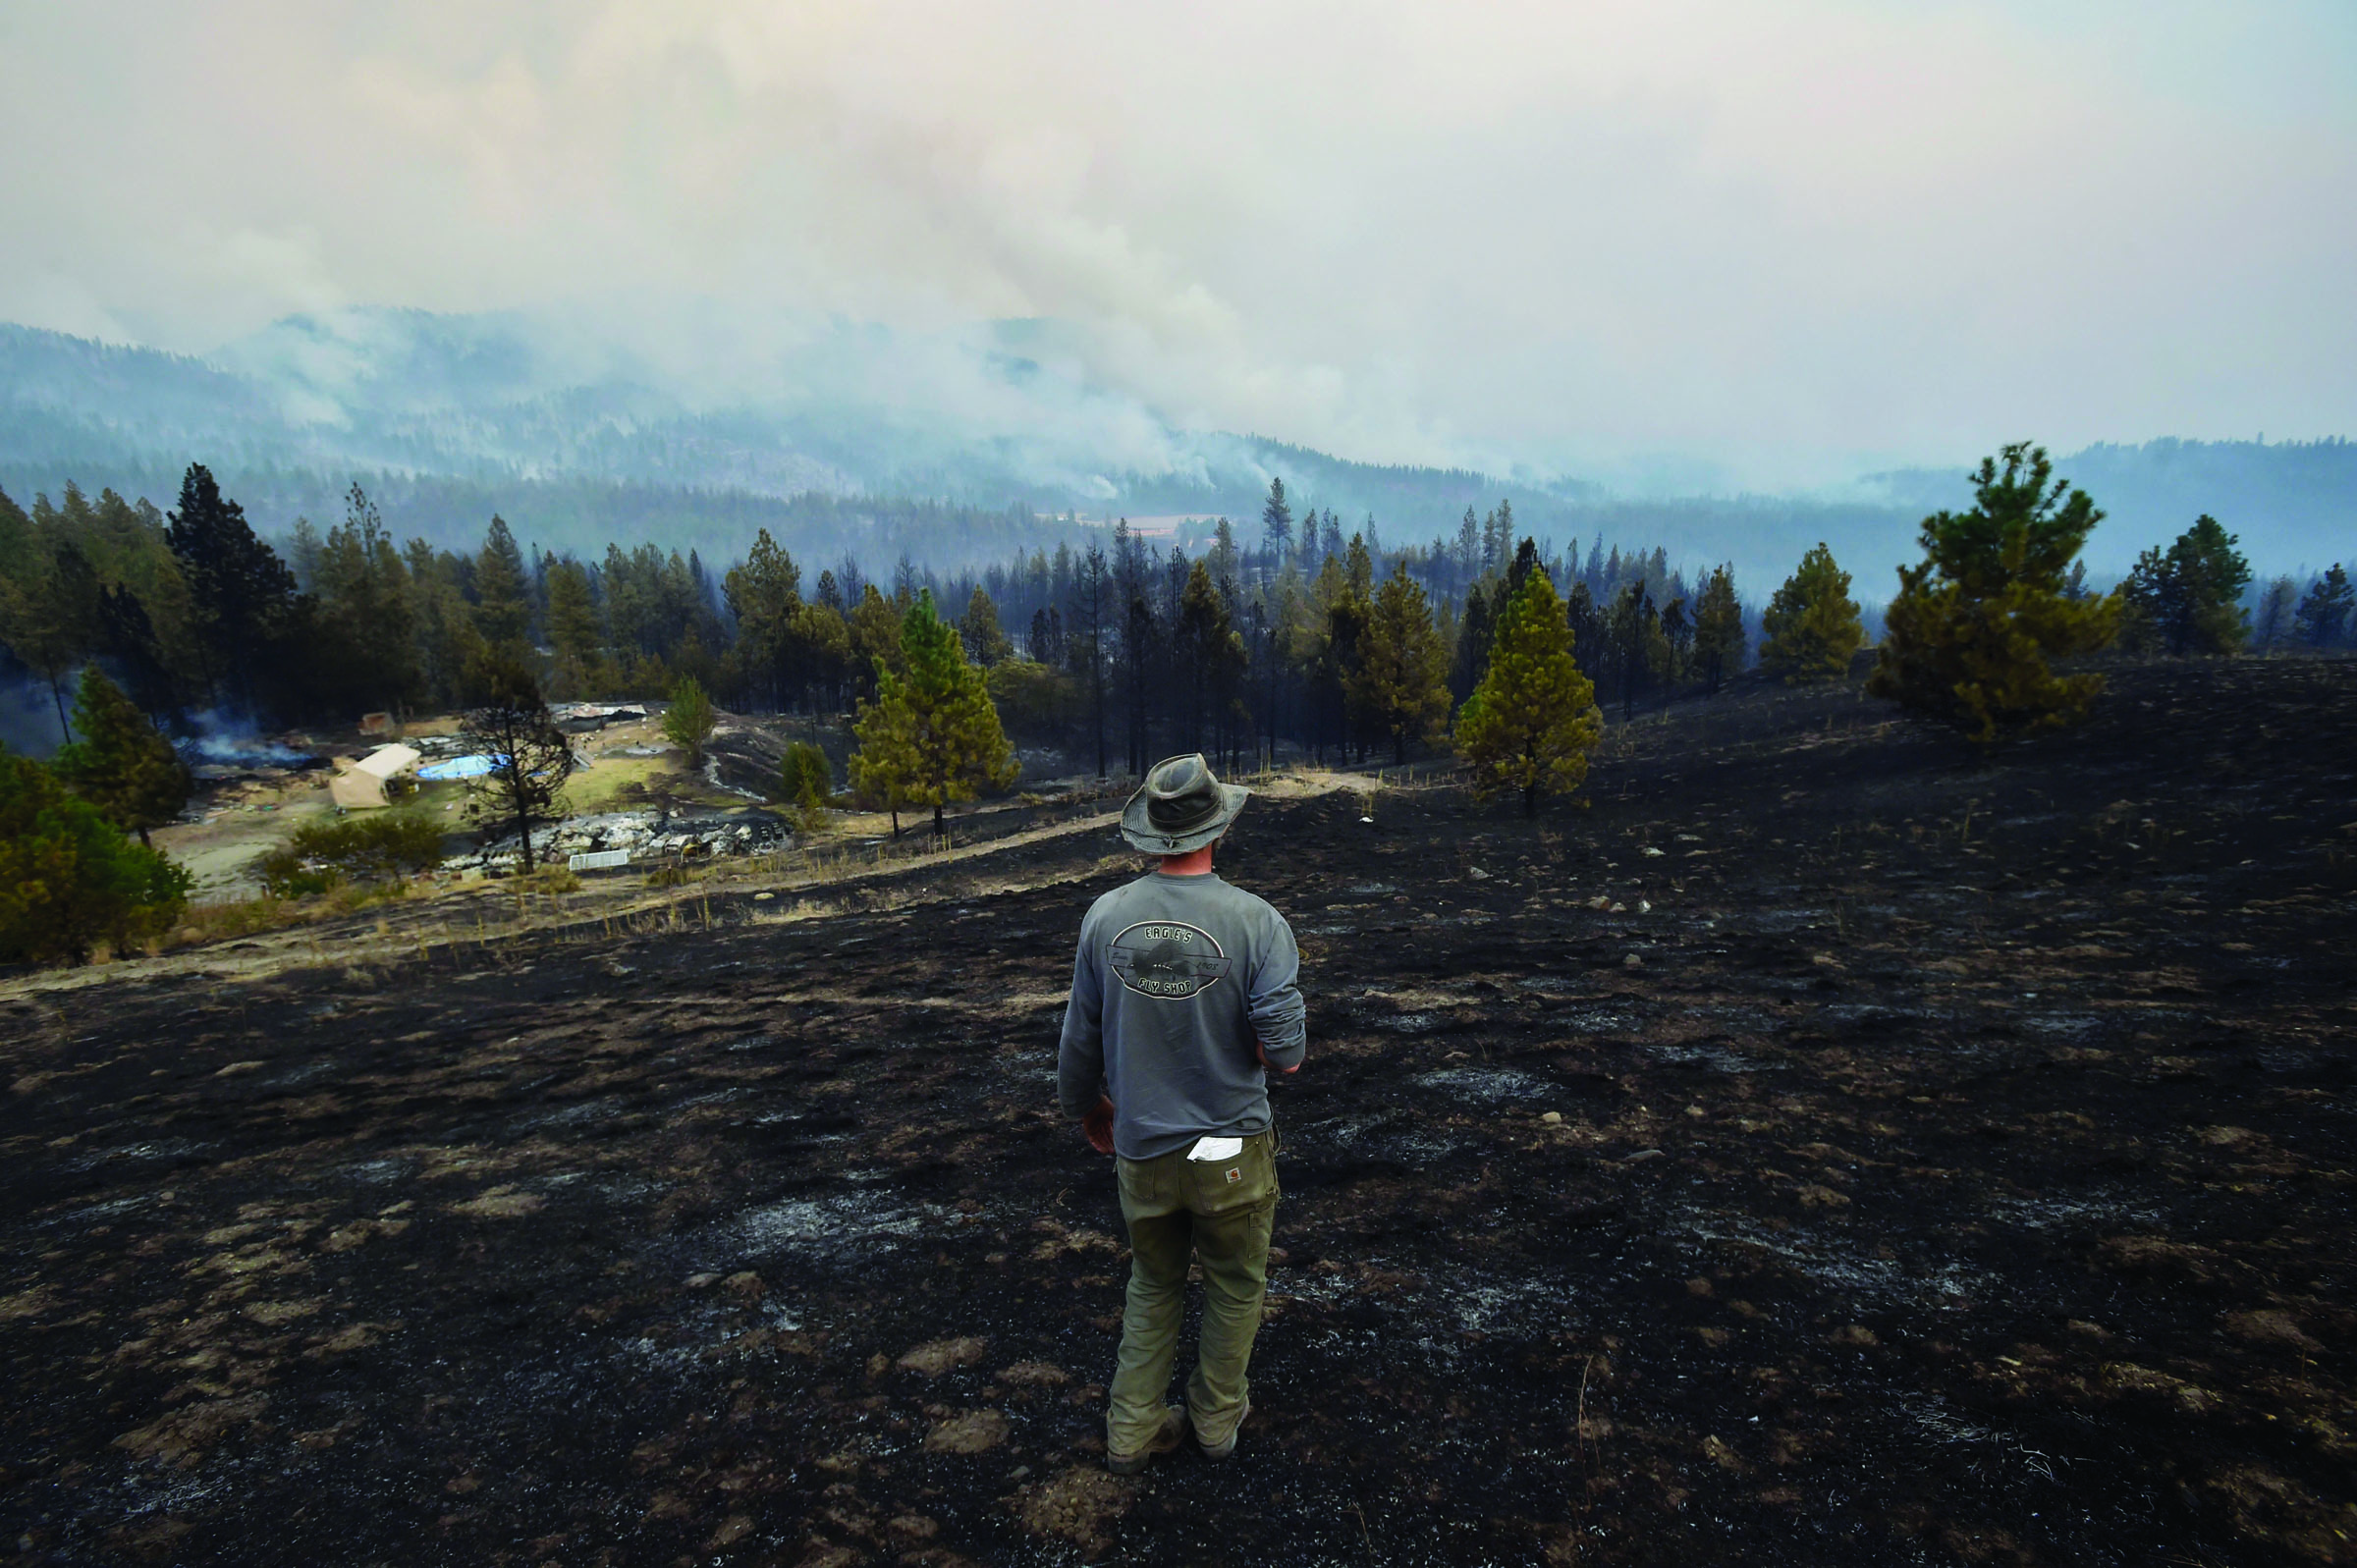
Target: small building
362,785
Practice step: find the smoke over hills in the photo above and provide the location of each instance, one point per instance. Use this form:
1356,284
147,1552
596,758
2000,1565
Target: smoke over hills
695,427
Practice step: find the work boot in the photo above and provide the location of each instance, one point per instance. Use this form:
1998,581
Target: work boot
1164,1441
1221,1450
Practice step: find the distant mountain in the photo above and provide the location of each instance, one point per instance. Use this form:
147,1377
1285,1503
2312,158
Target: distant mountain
694,429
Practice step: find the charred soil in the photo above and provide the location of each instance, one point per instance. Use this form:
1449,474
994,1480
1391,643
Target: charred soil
1820,1148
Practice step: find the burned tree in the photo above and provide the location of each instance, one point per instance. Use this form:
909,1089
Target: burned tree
531,758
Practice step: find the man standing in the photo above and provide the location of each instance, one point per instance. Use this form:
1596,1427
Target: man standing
1183,993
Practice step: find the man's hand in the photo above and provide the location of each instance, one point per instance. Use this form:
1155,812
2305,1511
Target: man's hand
1262,1052
1097,1126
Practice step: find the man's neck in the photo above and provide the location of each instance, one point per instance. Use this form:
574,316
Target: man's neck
1197,863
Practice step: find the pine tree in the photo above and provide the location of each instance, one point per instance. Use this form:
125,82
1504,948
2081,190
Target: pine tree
448,648
1330,651
1586,622
931,737
1045,642
1811,626
501,613
2187,599
1473,658
1719,636
128,639
824,639
122,764
1678,637
367,610
806,783
1276,529
764,594
532,758
1632,631
572,628
1402,684
985,640
69,878
1531,723
2325,609
687,720
1359,567
1210,657
875,629
1968,636
1223,560
242,595
1092,603
51,616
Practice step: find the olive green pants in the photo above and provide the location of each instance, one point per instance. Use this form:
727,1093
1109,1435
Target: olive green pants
1221,1213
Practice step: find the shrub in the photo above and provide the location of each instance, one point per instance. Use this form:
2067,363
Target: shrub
805,782
376,847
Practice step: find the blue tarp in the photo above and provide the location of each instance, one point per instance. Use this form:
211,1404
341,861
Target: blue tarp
473,767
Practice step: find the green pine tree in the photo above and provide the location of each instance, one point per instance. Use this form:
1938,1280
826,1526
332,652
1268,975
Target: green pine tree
241,596
1531,723
2187,599
572,627
806,783
985,640
1812,627
1968,636
687,721
1402,684
122,764
765,595
931,737
69,878
1718,628
501,613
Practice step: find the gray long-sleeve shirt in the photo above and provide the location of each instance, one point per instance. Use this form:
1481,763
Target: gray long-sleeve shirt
1178,981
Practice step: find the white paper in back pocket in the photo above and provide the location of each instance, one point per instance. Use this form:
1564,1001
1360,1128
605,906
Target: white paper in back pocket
1216,1149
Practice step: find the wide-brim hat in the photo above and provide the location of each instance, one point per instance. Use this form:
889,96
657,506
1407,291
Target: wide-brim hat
1180,807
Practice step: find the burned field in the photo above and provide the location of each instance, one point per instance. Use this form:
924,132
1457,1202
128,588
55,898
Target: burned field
1819,1150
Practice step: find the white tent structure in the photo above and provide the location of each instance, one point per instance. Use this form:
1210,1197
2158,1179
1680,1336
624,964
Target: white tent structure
362,785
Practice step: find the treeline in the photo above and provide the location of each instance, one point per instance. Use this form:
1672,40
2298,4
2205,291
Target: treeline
1122,645
1309,633
1303,636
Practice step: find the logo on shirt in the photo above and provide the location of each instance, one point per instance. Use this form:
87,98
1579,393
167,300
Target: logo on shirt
1167,959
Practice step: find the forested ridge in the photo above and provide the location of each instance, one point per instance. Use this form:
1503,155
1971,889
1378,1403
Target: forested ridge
1297,630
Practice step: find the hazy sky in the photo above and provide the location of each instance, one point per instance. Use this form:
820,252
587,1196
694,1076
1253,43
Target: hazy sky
1788,237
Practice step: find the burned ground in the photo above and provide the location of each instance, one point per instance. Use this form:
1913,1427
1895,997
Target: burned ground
1823,1149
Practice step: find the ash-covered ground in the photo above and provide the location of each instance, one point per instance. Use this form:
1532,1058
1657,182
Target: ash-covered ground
1821,1149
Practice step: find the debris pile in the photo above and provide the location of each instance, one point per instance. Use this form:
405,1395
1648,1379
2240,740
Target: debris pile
643,836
